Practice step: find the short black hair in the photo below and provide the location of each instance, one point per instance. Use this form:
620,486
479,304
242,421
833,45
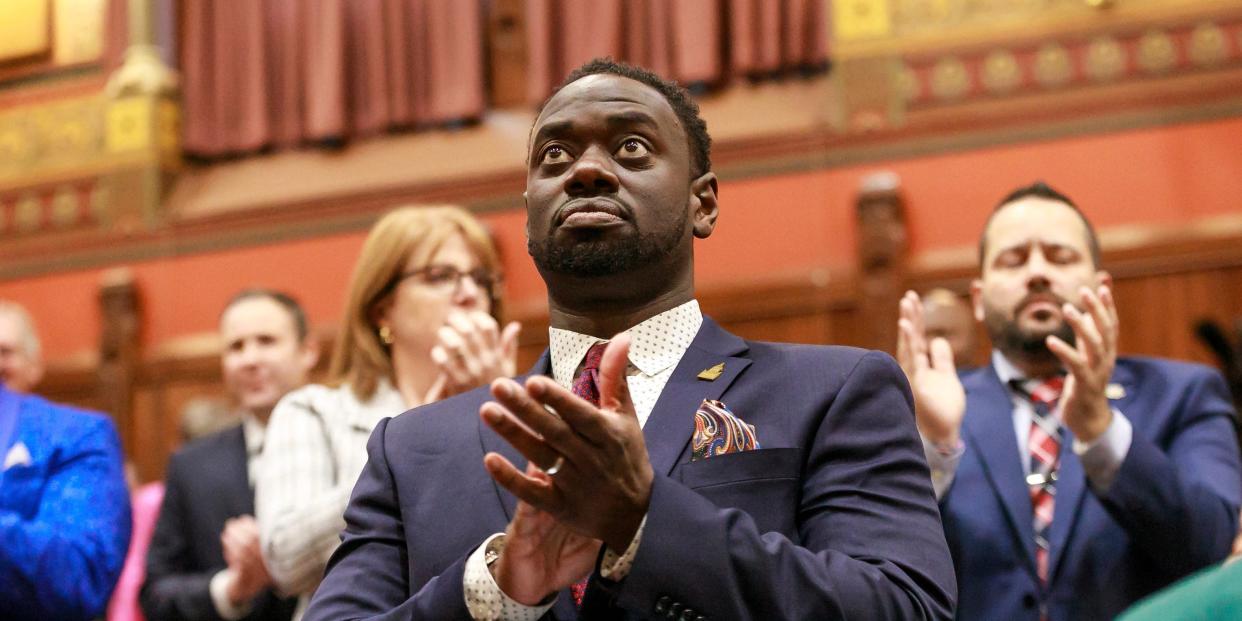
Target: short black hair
1039,189
687,111
286,301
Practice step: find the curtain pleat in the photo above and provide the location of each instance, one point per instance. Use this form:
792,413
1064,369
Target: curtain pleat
696,42
281,73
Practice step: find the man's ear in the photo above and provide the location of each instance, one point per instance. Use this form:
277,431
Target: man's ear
1103,279
704,205
976,299
310,353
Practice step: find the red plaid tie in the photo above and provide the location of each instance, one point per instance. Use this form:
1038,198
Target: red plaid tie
1044,443
586,385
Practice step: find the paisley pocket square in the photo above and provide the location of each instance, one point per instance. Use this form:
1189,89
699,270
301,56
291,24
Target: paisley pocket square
718,431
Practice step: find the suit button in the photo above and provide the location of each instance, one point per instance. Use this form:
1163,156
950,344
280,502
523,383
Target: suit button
688,614
675,610
1028,600
661,605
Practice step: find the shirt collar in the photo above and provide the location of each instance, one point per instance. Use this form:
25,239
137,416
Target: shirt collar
254,432
653,347
1006,370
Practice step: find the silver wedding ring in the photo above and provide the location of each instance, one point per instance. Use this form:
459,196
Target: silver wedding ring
555,467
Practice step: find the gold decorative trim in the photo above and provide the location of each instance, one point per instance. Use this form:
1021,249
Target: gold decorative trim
1001,73
1207,45
1106,59
1053,67
1156,52
950,79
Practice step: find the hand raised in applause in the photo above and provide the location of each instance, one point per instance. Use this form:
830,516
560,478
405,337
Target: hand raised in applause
603,485
472,351
242,553
939,399
1090,361
541,555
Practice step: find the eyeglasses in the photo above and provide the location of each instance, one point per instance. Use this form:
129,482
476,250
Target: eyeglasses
448,278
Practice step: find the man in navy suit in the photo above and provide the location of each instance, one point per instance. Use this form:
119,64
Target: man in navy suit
64,510
686,473
1072,482
204,561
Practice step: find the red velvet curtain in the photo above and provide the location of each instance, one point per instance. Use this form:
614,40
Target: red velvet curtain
278,73
691,41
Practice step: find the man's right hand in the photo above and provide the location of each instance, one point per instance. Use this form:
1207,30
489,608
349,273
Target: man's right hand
243,554
939,399
541,555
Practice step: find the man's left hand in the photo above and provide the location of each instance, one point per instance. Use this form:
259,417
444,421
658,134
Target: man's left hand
1090,362
602,487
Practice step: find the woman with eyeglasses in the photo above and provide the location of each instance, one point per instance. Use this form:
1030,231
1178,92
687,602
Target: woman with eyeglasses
419,326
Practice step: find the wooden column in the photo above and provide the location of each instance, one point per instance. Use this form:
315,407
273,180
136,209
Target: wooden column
119,350
882,244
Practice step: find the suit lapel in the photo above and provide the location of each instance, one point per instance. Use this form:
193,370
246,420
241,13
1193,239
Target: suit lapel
1072,483
493,443
988,429
670,426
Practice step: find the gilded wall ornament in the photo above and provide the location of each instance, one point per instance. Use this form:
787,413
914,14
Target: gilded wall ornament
1156,52
28,216
1207,44
1053,66
64,207
950,80
1106,59
1001,73
907,84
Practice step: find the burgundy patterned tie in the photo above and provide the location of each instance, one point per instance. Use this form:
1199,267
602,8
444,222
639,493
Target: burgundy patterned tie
1044,443
586,385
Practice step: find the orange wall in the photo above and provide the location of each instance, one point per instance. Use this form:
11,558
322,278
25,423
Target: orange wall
783,223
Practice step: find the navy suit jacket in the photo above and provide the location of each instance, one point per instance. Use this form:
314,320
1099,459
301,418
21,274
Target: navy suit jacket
1172,509
833,517
207,484
64,512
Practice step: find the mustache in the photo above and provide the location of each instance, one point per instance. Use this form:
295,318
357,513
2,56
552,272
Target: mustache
1036,297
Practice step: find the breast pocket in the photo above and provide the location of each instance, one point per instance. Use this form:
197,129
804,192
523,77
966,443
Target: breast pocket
22,490
764,483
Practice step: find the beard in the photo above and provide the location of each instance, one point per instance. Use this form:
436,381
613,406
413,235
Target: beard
1014,341
603,257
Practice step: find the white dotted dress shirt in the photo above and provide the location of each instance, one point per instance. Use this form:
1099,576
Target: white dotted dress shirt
656,346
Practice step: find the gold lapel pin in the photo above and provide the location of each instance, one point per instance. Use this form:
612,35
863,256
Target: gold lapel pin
711,373
1115,391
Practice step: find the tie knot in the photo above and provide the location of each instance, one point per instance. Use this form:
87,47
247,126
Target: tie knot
1040,391
593,356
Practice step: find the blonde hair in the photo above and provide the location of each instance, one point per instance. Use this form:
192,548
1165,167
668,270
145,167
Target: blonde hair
406,234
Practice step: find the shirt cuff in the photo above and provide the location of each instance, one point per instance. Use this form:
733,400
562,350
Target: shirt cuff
219,588
484,598
1102,457
615,566
942,461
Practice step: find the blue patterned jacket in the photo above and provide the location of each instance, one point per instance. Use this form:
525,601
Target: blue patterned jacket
64,510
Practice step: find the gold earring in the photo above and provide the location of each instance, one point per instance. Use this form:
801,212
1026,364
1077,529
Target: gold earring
385,334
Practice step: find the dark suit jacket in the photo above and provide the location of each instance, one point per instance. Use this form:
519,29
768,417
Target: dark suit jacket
833,517
206,485
64,512
1172,509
